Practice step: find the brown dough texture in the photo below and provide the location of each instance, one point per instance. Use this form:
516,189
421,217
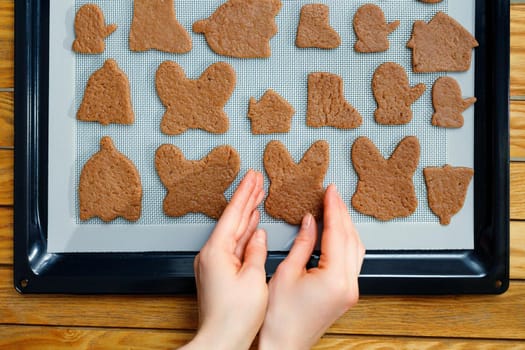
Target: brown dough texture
109,186
393,94
155,26
296,189
431,1
449,103
91,30
107,98
314,28
327,105
272,114
442,45
372,30
385,189
196,186
447,189
195,104
241,28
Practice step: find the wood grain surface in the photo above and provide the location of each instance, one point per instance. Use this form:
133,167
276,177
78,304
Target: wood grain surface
7,47
517,50
517,130
6,177
6,119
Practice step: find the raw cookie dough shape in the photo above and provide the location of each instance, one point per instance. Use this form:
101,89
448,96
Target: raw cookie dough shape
272,114
372,30
196,186
327,105
447,189
442,45
295,189
91,30
109,186
449,103
107,98
385,189
155,26
241,28
196,104
314,29
431,1
393,94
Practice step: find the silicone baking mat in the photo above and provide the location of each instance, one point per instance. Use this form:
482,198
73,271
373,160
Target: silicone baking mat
286,72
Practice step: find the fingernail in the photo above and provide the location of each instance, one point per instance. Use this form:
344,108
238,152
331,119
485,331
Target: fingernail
307,221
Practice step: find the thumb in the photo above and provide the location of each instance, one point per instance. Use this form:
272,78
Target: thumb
304,244
256,251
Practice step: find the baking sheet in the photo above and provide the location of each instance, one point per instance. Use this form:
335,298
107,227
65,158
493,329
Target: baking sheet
72,143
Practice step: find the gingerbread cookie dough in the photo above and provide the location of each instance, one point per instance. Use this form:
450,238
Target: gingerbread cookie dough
385,189
272,114
195,104
109,186
372,30
107,98
295,188
314,29
196,186
91,30
449,103
431,1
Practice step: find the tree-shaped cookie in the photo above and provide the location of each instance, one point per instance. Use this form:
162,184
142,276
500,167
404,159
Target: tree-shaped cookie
272,114
447,188
314,28
327,105
195,104
107,98
196,186
449,103
155,26
371,29
241,28
109,186
91,30
442,45
295,188
394,95
385,189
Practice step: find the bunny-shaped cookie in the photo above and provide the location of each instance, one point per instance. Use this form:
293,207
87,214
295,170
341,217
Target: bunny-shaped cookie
371,29
196,186
385,189
448,103
196,104
394,95
295,189
91,30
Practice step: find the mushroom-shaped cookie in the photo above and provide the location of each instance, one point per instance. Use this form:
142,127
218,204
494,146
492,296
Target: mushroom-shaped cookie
314,28
91,30
449,104
372,30
109,186
272,114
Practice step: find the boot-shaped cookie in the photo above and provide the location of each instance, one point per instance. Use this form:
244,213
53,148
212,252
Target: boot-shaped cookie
241,28
372,30
155,26
449,104
91,30
109,186
393,94
327,105
196,104
107,98
385,189
196,186
295,189
314,28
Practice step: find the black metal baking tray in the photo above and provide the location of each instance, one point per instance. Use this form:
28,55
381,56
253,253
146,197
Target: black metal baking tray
485,269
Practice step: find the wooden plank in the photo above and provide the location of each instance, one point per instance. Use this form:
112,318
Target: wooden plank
517,193
483,316
58,338
517,129
6,177
6,119
517,50
6,235
517,250
7,12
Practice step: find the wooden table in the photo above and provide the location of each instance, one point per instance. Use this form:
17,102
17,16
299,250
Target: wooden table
165,322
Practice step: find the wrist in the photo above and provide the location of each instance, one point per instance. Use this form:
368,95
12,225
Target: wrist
269,342
206,339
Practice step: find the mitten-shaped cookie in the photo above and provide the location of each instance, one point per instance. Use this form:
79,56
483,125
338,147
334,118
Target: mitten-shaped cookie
385,189
91,30
393,94
295,188
241,28
196,186
449,103
195,104
314,28
109,186
155,26
371,29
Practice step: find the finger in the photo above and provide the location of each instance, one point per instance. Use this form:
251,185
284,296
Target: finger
255,199
256,252
245,237
303,245
333,242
